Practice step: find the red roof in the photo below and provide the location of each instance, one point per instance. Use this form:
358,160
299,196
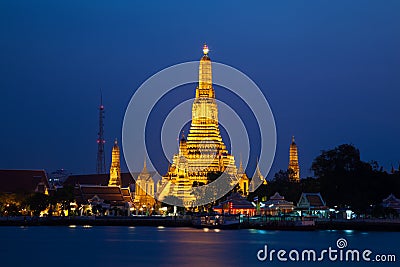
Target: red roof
98,179
23,181
235,201
110,194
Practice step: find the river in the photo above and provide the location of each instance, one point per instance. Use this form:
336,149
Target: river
151,246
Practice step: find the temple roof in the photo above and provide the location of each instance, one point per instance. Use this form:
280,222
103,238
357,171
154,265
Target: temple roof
110,194
99,179
23,181
236,201
311,200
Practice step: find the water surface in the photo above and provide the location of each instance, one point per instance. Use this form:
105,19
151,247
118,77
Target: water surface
152,246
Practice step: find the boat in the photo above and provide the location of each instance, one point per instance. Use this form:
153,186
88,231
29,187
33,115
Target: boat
212,221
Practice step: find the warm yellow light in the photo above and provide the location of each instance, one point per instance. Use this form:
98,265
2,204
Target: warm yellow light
205,49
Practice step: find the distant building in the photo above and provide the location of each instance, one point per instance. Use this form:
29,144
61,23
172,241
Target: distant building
144,192
392,202
23,181
244,181
58,177
257,180
277,205
105,194
235,204
294,176
115,169
312,204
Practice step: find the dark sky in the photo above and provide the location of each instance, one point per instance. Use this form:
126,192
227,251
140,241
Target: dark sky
329,69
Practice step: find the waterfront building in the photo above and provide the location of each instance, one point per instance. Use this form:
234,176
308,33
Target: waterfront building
236,204
392,202
312,204
103,200
115,169
104,194
277,205
294,175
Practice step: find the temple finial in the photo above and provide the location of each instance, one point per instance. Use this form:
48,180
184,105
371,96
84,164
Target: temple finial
293,139
205,49
241,170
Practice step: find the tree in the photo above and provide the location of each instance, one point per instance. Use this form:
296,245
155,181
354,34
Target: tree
63,196
37,202
346,180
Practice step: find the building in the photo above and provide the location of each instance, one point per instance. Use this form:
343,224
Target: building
294,174
257,179
312,204
104,194
23,181
236,204
203,152
392,202
144,190
244,181
277,205
103,200
58,177
115,169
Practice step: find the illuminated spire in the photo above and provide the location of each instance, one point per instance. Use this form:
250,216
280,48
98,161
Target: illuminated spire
202,149
294,162
205,76
145,166
115,169
241,170
205,49
259,174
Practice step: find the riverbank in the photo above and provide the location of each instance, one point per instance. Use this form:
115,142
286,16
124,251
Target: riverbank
186,221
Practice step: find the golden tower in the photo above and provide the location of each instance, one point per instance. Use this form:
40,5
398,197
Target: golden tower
206,152
294,176
115,170
204,149
203,152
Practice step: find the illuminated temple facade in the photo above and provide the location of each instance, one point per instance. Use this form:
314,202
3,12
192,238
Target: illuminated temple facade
294,175
202,151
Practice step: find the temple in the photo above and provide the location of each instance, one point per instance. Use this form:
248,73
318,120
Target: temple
294,170
202,153
144,190
115,169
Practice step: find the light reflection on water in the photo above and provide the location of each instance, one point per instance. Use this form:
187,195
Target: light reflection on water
151,246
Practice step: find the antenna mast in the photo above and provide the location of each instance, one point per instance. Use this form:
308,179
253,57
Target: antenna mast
101,161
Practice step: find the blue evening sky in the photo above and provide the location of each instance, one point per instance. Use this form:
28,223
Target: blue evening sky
329,69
